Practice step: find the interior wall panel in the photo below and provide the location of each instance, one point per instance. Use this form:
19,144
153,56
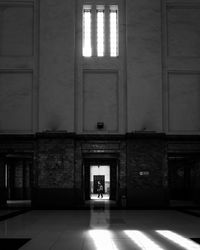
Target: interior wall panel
16,30
100,100
184,102
183,31
57,47
144,69
16,101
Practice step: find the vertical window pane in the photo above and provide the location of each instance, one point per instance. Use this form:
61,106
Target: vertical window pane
100,30
114,51
87,43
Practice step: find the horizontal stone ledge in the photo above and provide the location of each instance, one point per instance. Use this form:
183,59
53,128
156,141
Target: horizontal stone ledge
145,134
63,134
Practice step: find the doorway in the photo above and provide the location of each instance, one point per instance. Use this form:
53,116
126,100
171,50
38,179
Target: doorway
18,180
180,179
99,176
100,171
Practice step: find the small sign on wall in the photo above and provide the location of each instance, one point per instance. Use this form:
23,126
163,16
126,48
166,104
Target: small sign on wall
144,173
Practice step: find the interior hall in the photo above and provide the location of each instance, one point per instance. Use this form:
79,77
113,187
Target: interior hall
99,124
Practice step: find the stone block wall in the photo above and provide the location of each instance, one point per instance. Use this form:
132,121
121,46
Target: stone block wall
17,192
122,173
185,150
54,172
146,171
54,177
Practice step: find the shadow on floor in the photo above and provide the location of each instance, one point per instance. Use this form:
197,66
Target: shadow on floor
12,243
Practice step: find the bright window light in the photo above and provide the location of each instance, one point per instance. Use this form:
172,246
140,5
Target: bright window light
100,30
142,240
103,240
105,32
179,240
113,31
87,42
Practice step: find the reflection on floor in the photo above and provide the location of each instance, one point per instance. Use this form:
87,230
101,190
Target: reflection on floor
192,211
104,229
9,213
104,203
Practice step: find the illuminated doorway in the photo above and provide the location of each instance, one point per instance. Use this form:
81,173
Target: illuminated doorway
103,171
99,175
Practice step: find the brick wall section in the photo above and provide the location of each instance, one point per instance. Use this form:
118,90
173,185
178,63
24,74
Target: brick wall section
55,163
57,170
122,175
27,174
78,165
18,174
146,153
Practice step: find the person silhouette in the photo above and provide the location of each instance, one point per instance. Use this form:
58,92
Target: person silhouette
100,189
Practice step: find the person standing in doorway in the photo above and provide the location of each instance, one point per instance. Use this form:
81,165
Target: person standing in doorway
100,189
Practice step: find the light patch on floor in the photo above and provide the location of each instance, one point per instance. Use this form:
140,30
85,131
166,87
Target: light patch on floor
142,240
103,240
179,239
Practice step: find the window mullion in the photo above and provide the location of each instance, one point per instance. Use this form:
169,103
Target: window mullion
107,31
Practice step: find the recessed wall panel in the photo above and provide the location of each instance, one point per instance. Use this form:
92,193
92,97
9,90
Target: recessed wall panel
183,31
15,102
56,65
184,102
16,30
100,100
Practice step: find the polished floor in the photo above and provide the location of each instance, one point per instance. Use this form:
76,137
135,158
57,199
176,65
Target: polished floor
104,229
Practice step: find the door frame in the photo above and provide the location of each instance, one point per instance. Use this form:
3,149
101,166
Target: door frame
99,160
10,161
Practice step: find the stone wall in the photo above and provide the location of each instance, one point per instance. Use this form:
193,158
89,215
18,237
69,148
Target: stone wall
146,171
187,148
58,167
54,172
17,188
